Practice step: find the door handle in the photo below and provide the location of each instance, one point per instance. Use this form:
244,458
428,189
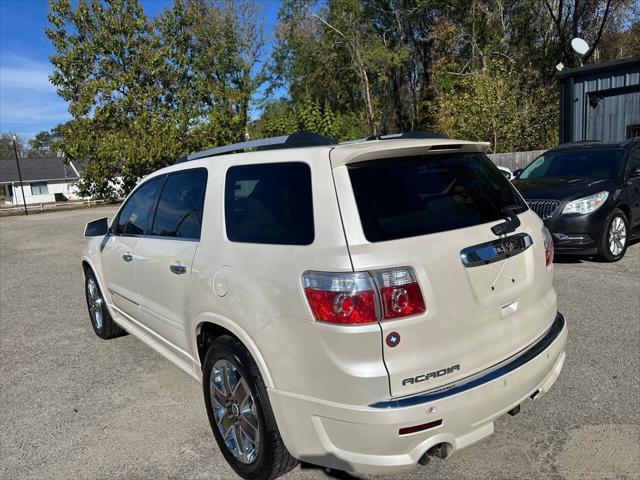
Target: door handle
127,257
177,269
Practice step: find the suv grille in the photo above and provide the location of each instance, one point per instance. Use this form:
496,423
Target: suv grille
544,208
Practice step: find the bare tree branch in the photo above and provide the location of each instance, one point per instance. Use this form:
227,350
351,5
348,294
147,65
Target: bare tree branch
599,34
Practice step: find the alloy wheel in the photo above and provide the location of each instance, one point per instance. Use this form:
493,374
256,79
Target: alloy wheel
234,409
617,236
95,302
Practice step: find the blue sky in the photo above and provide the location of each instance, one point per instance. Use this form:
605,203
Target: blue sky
28,101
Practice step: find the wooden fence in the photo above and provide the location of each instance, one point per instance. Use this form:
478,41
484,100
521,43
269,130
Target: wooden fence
515,160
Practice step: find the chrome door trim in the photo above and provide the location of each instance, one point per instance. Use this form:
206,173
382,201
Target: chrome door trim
123,297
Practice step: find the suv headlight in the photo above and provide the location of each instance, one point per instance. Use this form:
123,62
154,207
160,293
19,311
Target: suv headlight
586,204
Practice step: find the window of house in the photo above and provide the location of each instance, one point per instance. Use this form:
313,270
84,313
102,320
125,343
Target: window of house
39,188
633,131
134,216
269,203
179,212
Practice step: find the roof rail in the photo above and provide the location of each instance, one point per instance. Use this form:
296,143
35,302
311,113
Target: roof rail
295,140
400,135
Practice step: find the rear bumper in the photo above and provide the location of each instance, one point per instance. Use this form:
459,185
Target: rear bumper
366,439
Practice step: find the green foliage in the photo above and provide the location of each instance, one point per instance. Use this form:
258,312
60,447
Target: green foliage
398,65
504,104
44,143
144,92
284,118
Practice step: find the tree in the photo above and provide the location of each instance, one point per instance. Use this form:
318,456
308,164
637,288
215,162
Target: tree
283,117
586,19
502,103
44,143
145,92
6,146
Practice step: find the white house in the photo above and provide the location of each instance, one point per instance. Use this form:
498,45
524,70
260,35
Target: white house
45,180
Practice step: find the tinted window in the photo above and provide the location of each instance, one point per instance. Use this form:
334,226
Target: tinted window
592,163
269,203
412,196
134,216
179,212
634,159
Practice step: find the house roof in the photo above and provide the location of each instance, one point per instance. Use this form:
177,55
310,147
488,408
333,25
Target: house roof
38,170
601,67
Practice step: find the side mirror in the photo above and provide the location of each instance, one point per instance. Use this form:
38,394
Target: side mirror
517,173
97,228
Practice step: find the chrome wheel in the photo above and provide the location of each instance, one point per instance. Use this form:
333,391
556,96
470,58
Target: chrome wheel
94,299
234,409
617,236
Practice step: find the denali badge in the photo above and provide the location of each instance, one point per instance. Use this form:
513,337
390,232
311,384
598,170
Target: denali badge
427,376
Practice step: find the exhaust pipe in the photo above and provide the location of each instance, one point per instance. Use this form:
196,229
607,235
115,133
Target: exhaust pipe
441,450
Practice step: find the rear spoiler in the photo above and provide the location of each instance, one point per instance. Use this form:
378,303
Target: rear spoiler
375,150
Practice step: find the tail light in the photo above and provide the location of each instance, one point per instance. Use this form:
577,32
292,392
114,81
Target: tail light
548,246
399,292
345,298
363,297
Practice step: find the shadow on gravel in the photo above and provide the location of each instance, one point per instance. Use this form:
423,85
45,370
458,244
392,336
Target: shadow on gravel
569,259
330,472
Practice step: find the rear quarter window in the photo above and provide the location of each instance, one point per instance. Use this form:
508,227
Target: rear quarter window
269,203
412,196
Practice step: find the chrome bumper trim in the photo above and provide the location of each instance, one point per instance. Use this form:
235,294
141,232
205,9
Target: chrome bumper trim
486,376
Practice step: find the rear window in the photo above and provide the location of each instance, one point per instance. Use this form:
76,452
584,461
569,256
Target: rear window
411,196
269,203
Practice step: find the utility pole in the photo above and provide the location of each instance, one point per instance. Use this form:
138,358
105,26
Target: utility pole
15,150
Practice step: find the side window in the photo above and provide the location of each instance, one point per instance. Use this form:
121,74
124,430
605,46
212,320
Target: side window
269,203
634,159
179,212
134,216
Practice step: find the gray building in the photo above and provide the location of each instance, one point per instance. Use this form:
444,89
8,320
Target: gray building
600,101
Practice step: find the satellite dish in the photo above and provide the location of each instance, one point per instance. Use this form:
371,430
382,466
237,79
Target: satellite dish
579,46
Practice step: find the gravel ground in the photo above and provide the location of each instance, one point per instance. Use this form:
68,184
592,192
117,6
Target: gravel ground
74,406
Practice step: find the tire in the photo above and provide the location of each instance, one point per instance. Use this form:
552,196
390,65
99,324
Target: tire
615,238
101,320
247,416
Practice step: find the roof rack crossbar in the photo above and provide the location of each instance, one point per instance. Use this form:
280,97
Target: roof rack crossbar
301,139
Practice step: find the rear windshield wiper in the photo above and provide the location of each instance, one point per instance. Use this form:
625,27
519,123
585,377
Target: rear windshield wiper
512,223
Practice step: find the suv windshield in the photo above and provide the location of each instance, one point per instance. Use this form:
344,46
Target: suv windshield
411,196
593,163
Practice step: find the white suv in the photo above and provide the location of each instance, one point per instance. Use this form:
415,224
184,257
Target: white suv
360,306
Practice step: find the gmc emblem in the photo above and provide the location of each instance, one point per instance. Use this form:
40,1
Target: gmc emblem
506,247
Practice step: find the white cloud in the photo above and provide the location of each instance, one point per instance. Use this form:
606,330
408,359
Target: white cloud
23,73
28,101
